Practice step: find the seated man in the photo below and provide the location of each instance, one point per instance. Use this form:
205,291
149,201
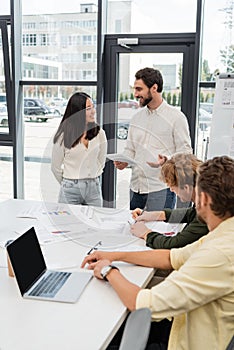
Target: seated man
199,293
179,173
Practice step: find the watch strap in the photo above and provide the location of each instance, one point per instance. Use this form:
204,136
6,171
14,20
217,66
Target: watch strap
112,267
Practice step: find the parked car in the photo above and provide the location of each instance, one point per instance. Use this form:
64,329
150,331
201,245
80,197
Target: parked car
208,107
58,105
128,104
36,109
3,115
124,117
2,98
204,119
122,130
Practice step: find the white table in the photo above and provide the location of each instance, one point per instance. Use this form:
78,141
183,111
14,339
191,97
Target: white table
89,324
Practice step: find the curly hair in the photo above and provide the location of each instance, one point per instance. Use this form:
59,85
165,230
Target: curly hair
180,170
216,178
150,76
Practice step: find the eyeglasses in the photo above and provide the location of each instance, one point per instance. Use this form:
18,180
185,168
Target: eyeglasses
90,108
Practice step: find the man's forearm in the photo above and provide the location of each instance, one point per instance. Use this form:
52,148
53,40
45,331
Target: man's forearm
156,258
126,290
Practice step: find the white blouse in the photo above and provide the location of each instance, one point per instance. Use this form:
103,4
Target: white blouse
79,162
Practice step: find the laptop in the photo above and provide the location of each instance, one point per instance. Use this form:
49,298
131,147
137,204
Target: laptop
35,281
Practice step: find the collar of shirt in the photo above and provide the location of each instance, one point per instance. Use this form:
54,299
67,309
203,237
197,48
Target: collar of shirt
156,110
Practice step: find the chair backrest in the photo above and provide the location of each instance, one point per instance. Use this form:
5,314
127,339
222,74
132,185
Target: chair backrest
136,330
231,344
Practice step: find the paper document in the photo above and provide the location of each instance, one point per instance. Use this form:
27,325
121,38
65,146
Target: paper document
164,227
119,157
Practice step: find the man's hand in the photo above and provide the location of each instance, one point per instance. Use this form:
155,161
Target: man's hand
140,230
93,258
120,165
161,160
98,267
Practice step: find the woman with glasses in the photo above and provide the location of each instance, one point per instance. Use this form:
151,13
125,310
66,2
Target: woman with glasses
79,153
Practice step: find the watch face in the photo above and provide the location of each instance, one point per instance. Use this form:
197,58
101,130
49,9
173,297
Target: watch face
105,270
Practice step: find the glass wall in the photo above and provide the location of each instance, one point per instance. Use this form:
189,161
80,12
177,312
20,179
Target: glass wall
59,40
6,173
42,117
217,56
59,43
4,124
150,16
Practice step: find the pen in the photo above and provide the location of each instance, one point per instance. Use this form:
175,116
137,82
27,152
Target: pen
95,247
62,231
135,221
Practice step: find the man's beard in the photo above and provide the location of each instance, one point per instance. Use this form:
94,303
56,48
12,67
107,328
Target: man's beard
146,101
200,218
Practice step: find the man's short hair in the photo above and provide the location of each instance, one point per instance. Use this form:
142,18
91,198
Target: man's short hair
150,76
180,170
216,178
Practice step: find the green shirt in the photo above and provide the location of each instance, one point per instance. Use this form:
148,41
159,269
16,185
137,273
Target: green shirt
193,230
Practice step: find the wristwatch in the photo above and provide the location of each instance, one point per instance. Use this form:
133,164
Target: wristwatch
107,269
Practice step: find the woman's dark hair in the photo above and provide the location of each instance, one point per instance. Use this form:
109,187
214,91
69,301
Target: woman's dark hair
73,125
150,76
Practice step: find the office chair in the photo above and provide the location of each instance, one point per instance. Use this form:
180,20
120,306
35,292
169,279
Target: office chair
231,344
136,330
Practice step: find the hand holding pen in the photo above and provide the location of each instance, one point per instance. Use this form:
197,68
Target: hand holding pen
142,215
136,213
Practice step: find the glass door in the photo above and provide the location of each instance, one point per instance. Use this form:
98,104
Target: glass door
174,55
171,67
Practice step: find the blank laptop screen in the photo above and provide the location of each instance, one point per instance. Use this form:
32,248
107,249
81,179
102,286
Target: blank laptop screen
27,260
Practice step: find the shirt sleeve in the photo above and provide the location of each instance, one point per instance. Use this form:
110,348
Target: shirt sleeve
181,135
193,230
207,275
57,159
102,150
189,234
129,149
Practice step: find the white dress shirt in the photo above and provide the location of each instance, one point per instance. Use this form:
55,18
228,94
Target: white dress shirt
161,131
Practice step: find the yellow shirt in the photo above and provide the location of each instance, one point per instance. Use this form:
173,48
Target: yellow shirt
199,294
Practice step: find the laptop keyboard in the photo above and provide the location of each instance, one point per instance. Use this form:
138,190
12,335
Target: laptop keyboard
50,285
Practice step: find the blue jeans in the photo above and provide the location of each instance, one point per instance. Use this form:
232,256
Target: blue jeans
85,191
153,201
